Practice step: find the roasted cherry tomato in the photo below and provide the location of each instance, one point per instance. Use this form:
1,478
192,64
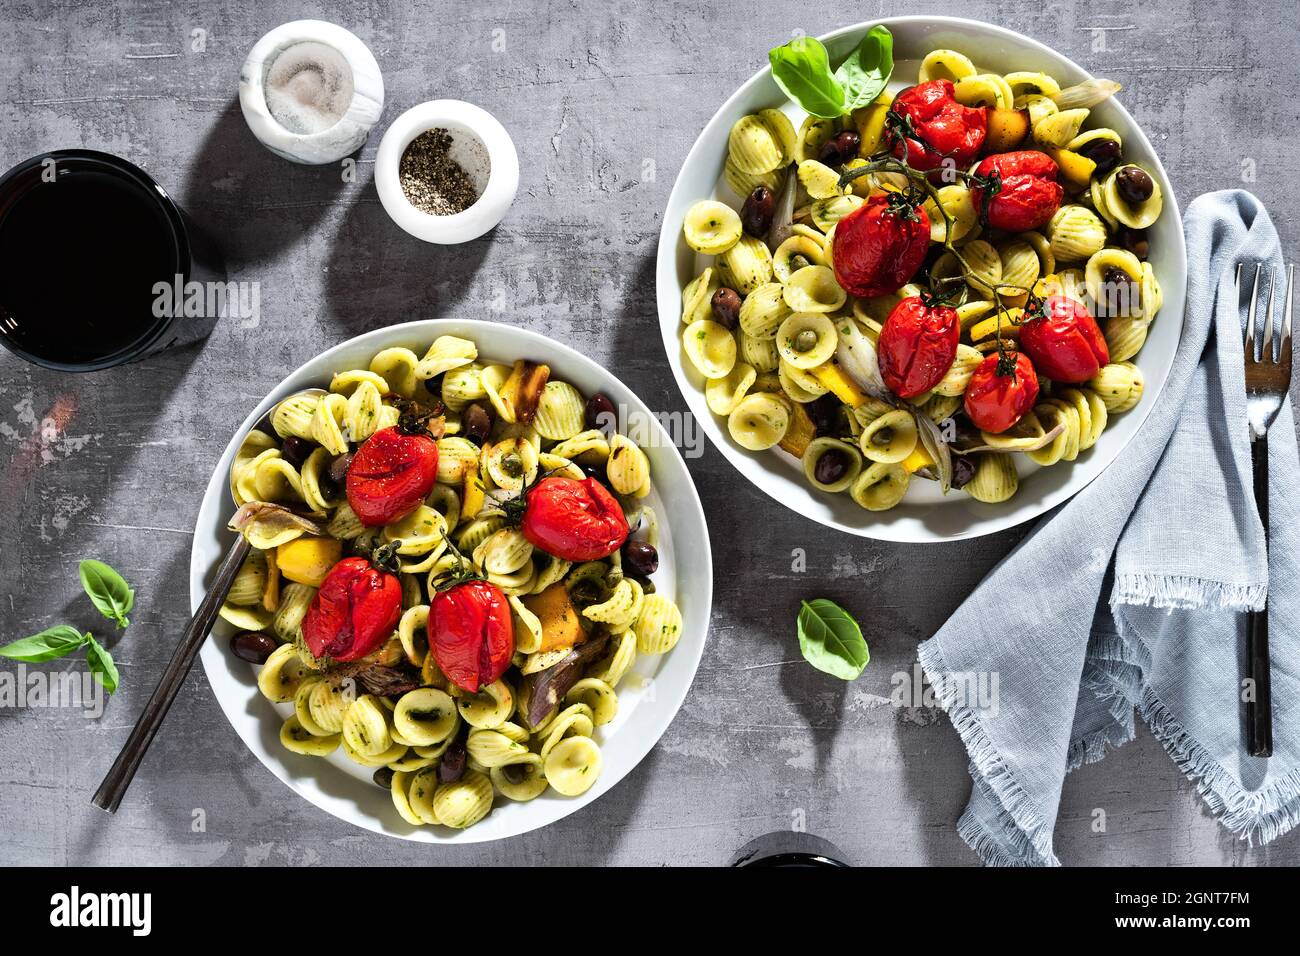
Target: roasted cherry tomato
354,611
944,128
574,520
390,475
879,246
1063,340
1029,194
997,397
471,634
917,346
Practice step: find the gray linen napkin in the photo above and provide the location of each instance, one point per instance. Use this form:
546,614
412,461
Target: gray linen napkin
1130,597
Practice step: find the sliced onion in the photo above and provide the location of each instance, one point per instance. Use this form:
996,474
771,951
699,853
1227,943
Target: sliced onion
857,357
1026,444
783,213
268,525
936,448
1086,94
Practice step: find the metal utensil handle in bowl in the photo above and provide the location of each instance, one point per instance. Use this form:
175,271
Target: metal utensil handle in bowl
119,777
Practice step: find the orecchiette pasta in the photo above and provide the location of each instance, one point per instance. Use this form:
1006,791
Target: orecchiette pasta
395,710
799,369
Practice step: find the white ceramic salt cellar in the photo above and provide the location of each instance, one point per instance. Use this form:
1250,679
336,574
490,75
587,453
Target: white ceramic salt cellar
328,92
482,147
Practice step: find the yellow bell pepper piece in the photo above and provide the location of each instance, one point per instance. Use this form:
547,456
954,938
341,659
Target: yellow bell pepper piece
471,498
307,560
845,389
918,459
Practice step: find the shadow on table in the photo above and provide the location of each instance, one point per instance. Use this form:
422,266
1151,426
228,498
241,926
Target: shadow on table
253,203
378,275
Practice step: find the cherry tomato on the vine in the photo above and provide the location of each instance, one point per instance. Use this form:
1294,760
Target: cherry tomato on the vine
998,397
574,520
390,475
471,633
1064,342
1029,194
879,246
945,129
917,346
355,610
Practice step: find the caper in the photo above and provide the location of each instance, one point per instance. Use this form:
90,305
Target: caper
1134,185
512,465
831,466
798,262
882,437
805,341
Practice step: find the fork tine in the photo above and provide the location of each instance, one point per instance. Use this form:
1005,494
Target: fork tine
1285,333
1266,350
1250,317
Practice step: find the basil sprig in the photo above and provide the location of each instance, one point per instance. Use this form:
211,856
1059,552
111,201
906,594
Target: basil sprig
831,640
802,70
108,591
113,597
58,641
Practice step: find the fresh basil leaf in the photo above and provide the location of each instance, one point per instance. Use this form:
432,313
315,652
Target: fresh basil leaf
101,664
803,71
831,640
864,75
107,589
58,641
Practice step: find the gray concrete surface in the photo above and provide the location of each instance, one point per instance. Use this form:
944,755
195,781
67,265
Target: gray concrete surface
590,91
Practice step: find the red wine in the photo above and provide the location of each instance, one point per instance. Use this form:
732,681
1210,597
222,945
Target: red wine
84,240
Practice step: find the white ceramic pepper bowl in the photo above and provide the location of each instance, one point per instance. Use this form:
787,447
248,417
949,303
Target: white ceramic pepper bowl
344,137
482,147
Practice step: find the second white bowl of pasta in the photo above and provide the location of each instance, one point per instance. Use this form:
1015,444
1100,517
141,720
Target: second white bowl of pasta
765,334
395,719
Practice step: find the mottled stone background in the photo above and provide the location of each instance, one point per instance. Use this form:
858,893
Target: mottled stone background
590,91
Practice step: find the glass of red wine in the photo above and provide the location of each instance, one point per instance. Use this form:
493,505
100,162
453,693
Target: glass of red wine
88,244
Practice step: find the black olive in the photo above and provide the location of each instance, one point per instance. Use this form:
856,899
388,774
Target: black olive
963,469
295,450
601,413
825,413
831,466
641,558
1134,185
1134,240
839,149
475,423
647,586
756,215
383,777
1104,152
452,766
726,307
337,472
252,647
264,425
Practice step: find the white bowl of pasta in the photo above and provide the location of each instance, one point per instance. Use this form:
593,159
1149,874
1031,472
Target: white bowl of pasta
441,728
772,316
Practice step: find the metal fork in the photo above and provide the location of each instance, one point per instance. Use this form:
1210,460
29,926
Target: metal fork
1268,377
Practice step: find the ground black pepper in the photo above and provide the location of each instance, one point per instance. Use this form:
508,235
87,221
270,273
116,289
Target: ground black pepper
433,181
